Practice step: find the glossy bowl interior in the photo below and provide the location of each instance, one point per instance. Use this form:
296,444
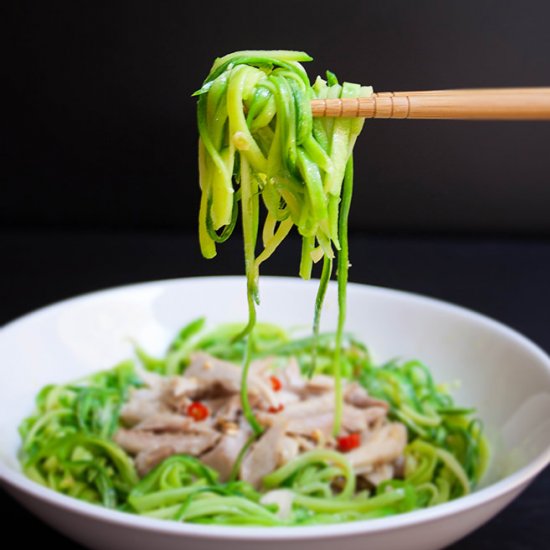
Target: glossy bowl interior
504,375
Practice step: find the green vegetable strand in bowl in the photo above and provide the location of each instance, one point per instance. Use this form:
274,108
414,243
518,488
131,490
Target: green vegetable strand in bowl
68,441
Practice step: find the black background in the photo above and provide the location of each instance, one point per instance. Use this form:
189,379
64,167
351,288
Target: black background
99,180
102,126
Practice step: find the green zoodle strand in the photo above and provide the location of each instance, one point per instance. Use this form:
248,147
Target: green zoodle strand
67,443
259,146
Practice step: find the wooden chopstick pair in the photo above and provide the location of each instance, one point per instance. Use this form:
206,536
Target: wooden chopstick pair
467,104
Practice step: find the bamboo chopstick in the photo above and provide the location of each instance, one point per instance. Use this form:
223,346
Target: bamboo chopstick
489,91
470,104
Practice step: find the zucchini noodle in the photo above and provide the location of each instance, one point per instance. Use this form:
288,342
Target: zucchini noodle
67,443
260,145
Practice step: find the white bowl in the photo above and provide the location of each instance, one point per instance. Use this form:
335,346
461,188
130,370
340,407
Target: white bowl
502,373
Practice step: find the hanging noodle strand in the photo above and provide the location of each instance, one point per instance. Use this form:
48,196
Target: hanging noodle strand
260,147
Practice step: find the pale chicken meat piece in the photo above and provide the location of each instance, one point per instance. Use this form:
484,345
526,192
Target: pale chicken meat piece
194,443
287,449
222,457
306,444
383,446
174,423
226,377
267,454
283,498
180,392
229,411
317,413
319,384
145,461
352,421
286,398
189,386
142,404
165,422
152,400
376,417
357,395
380,473
291,377
310,406
153,380
262,367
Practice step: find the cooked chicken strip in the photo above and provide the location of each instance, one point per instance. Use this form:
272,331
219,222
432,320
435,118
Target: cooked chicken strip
264,456
147,460
380,473
356,395
317,413
384,445
291,377
223,455
135,441
143,403
224,377
170,422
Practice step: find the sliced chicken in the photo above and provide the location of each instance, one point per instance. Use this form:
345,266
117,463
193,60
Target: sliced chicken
357,395
136,441
317,413
147,460
263,367
223,376
319,384
380,473
264,456
165,422
283,498
180,392
291,377
170,422
384,445
376,417
229,409
309,406
223,455
143,403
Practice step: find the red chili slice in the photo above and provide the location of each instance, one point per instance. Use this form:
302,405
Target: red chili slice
277,409
198,411
276,384
348,442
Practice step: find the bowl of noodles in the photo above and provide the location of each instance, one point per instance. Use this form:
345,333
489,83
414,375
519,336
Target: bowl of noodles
122,429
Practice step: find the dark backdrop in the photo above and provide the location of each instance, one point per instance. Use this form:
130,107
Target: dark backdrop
101,126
